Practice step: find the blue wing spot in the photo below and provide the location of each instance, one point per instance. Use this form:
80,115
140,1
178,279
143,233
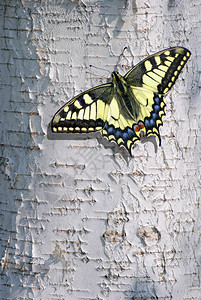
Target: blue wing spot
130,133
152,123
118,134
157,108
154,116
147,123
157,100
125,135
110,130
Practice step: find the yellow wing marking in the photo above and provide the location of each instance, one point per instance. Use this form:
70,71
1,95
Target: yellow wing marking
158,122
149,81
129,142
157,60
146,99
111,137
155,76
87,99
155,130
93,111
66,108
120,140
74,116
143,96
81,114
111,121
163,68
102,110
114,109
77,104
148,65
167,63
159,72
86,113
167,52
68,116
170,58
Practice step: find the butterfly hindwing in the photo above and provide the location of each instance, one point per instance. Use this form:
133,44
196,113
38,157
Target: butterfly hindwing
129,107
128,128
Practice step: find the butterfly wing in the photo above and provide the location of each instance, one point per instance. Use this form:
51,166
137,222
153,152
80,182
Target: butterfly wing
98,109
138,111
85,113
148,82
159,71
126,125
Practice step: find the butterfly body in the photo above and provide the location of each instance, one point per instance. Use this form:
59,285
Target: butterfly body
128,108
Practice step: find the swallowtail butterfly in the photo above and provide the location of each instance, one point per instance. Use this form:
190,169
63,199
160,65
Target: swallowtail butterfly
129,107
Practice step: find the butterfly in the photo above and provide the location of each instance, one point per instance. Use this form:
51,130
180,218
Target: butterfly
128,108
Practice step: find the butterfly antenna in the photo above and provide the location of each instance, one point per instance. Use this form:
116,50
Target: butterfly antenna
91,66
122,53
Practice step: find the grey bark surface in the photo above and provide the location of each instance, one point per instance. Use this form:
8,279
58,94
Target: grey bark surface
79,220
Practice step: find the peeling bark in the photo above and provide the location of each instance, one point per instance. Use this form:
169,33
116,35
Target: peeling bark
78,220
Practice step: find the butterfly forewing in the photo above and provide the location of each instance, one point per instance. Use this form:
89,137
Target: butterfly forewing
159,71
85,113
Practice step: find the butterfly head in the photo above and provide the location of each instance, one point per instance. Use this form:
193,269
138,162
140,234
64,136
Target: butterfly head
119,83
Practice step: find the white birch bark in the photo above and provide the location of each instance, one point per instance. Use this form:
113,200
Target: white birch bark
78,221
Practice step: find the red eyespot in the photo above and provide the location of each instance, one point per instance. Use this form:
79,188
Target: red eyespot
136,128
141,125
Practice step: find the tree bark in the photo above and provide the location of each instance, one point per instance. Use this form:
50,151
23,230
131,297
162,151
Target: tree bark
78,219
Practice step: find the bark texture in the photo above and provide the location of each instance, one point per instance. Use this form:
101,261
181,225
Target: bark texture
78,219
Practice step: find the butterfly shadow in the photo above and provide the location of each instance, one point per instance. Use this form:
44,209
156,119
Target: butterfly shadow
84,136
101,140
